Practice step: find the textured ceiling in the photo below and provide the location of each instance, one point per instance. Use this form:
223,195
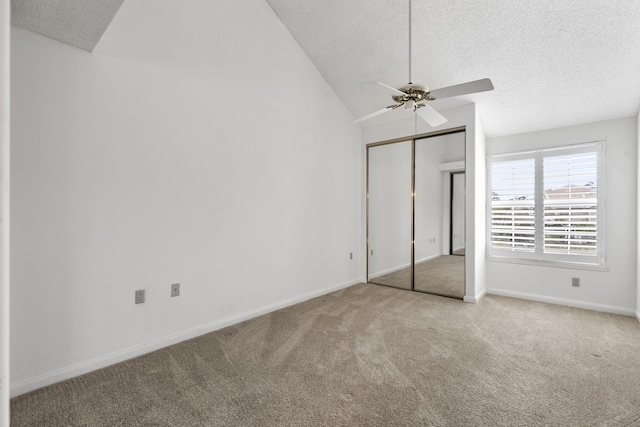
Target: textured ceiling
79,23
553,63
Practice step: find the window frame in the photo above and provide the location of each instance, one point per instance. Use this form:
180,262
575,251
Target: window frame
538,256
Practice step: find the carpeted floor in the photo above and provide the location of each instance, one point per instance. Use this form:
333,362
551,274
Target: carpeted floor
441,276
371,356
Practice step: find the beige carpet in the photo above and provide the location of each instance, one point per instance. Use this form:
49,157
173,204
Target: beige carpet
371,356
441,276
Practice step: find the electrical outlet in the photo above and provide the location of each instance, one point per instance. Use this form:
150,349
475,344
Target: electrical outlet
140,296
175,290
575,282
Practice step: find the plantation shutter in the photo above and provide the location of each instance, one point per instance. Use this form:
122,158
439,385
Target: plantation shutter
571,204
547,205
513,205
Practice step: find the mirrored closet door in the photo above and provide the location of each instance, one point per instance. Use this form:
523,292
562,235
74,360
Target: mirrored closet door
439,214
389,214
416,214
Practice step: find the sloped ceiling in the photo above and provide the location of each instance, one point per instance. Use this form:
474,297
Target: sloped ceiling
553,63
79,23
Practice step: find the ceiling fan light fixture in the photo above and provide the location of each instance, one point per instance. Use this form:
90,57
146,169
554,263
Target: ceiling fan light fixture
410,105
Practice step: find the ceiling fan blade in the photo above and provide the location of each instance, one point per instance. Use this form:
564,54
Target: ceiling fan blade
391,90
376,113
481,85
431,116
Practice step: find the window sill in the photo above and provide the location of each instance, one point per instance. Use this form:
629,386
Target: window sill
547,263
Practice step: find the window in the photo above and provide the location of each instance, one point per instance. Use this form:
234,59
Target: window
546,205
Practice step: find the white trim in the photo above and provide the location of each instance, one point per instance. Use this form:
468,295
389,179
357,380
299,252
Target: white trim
475,299
429,258
5,199
402,267
452,166
390,270
129,353
638,315
548,263
563,301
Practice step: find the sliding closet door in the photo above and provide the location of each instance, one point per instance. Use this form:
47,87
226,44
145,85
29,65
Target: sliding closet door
435,270
390,214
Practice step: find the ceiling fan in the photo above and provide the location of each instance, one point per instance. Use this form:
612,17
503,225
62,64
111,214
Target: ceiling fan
414,96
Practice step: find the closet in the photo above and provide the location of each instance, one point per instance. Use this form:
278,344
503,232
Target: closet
416,213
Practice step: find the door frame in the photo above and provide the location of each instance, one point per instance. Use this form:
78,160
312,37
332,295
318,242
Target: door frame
451,178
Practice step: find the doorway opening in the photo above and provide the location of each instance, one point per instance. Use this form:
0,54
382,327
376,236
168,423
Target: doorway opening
457,214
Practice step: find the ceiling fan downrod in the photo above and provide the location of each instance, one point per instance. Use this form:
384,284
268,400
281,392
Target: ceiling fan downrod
410,80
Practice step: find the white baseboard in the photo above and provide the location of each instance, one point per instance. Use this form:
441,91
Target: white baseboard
390,270
563,301
476,298
638,315
429,258
402,267
129,353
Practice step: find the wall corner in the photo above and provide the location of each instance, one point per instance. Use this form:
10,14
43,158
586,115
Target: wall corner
5,34
638,219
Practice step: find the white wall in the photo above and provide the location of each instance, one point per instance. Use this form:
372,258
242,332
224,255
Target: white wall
185,149
612,290
638,224
465,115
5,23
476,251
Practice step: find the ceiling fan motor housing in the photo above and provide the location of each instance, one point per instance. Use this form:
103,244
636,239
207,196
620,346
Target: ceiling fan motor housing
415,92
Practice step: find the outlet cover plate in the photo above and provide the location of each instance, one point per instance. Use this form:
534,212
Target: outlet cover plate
175,290
140,296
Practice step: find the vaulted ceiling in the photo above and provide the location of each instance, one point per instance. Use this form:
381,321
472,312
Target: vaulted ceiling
553,63
79,23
